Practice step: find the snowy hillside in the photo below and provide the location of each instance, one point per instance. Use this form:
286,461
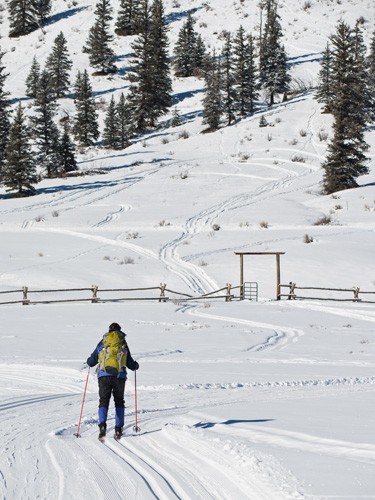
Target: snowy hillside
268,400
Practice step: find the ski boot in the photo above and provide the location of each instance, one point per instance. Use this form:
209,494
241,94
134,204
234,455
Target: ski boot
102,431
118,433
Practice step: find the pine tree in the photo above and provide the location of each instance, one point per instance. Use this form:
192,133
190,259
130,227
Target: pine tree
42,9
32,80
190,51
19,172
85,128
101,55
184,51
124,126
67,157
162,83
324,93
22,17
212,104
127,22
229,94
59,65
371,77
150,89
273,68
346,159
4,113
110,133
245,72
176,118
45,130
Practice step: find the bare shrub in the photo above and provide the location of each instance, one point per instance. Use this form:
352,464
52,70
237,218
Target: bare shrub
303,132
184,175
55,213
126,260
308,239
165,140
133,235
184,134
216,227
298,159
293,142
264,224
164,223
325,220
202,263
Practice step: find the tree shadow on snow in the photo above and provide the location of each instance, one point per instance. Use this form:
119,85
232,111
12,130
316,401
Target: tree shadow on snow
64,15
207,425
177,16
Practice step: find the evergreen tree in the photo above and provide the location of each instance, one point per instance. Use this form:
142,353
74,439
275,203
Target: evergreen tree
42,9
59,65
245,72
19,172
44,129
229,94
22,17
273,67
176,118
85,128
4,113
371,77
189,50
200,55
110,133
98,47
32,80
324,93
346,159
162,83
127,22
212,104
124,127
68,162
150,89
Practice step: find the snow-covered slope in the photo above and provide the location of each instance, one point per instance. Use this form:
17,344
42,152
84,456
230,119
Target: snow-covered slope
237,400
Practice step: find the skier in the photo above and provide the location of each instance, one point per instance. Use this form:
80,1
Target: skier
113,356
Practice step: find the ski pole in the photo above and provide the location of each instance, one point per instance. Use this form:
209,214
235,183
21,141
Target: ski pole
77,434
136,428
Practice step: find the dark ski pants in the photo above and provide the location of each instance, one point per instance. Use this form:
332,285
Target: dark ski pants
107,386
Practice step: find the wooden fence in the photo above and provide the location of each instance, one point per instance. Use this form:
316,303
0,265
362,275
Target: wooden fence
355,290
158,293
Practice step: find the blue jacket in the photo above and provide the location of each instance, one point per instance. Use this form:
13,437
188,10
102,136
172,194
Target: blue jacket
93,360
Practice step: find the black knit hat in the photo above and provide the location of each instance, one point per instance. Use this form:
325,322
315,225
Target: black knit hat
114,327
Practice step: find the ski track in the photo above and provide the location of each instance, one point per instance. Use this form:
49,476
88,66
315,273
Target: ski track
279,340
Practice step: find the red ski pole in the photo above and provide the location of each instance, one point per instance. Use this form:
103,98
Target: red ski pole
77,434
136,428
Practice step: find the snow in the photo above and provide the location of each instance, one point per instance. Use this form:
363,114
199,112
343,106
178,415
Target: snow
237,400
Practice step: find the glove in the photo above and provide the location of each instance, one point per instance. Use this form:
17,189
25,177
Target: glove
136,365
84,366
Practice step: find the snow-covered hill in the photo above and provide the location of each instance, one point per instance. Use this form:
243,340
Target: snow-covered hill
238,400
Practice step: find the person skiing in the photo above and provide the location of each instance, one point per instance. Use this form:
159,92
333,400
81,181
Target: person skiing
112,355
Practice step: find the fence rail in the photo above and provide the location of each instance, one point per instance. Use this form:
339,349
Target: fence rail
28,294
292,295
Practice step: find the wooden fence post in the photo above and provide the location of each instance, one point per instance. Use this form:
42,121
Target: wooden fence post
163,286
356,293
228,297
292,295
94,294
25,300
